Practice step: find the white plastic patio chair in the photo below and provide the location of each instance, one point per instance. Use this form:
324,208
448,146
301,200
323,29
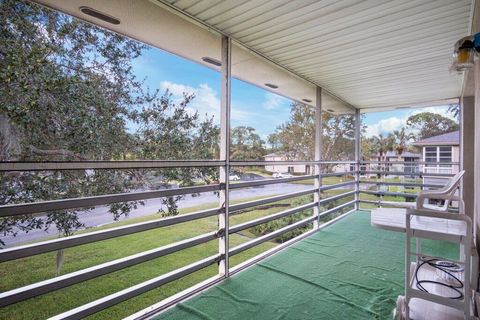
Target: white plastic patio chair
446,193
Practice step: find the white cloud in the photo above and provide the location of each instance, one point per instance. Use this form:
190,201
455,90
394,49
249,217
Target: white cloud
388,125
272,101
385,126
206,101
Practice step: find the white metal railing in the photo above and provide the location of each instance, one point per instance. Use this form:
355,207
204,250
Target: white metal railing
399,174
53,284
439,169
222,212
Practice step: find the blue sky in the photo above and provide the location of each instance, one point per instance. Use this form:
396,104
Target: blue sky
251,106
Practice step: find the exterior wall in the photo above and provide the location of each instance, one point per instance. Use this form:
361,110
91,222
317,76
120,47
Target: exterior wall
467,156
297,168
339,168
456,155
476,72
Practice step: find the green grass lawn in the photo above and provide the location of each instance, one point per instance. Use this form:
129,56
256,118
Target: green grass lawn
30,270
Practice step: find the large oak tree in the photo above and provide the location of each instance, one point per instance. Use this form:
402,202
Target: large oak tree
68,91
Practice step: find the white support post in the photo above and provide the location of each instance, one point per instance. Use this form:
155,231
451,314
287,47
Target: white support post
358,153
223,216
318,154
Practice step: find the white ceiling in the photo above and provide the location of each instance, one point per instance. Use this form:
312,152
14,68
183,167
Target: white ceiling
372,54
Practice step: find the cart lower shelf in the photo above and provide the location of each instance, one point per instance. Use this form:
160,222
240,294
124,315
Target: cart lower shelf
423,309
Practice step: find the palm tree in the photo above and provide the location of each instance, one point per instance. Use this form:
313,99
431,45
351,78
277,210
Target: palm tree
399,140
381,145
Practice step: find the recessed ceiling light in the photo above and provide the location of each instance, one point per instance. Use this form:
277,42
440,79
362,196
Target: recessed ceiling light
99,15
307,100
271,85
215,62
330,110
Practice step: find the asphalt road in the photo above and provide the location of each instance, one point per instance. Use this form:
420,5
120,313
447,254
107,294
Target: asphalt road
100,215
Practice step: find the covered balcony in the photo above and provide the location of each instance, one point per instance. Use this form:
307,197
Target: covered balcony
206,226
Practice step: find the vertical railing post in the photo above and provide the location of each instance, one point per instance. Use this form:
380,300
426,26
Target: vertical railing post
318,155
358,157
223,216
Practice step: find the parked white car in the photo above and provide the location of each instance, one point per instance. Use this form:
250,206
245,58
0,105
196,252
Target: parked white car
278,175
233,177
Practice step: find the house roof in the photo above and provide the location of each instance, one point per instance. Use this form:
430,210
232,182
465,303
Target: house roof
451,138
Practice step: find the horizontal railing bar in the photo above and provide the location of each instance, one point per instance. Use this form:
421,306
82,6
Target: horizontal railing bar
294,162
336,174
255,183
377,202
84,238
400,173
338,185
337,162
115,298
330,211
252,223
269,236
73,203
153,164
39,288
271,163
387,193
121,164
405,184
409,163
336,197
254,203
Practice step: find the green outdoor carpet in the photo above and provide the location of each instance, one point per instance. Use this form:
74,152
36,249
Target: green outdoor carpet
348,270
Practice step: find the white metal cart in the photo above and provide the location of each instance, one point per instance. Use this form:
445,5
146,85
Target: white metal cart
432,300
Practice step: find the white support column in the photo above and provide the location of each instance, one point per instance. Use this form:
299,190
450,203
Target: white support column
223,216
467,157
318,155
358,157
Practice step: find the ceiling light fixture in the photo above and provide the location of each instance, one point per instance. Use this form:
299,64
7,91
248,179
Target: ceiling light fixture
213,61
307,100
99,15
271,85
464,52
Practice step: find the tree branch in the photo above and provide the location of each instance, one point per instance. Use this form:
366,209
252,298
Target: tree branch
56,152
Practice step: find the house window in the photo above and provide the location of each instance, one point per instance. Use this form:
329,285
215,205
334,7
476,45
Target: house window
445,155
430,154
440,154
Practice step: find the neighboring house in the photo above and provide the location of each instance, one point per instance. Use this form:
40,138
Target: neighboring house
392,156
297,168
441,148
397,162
